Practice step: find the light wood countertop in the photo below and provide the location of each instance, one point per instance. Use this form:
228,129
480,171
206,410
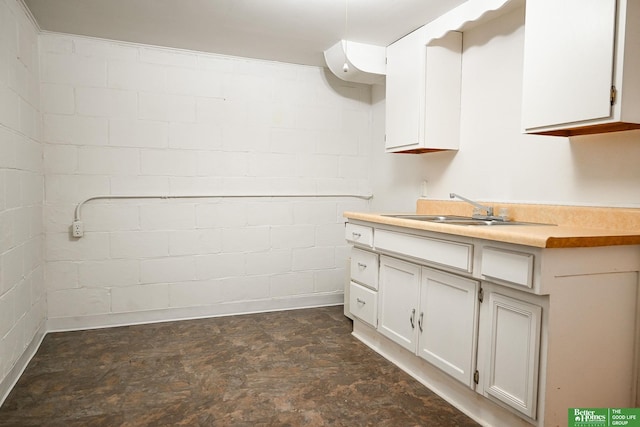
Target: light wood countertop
576,226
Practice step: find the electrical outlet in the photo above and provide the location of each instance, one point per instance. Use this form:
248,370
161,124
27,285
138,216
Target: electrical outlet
77,229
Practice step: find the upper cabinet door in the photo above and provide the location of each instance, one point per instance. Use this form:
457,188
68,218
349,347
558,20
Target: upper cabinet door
568,61
405,91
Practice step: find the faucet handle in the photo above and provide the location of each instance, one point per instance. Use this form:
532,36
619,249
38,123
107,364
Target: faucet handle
478,208
504,214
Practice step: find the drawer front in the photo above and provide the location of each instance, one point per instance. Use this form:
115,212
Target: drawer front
508,266
443,252
363,303
364,268
359,234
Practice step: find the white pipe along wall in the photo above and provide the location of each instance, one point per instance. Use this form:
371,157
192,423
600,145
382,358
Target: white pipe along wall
77,227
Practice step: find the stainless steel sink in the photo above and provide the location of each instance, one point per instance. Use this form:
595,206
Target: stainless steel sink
472,221
460,220
437,218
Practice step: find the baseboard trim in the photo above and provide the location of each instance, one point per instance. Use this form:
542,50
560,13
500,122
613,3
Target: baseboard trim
10,380
61,324
466,400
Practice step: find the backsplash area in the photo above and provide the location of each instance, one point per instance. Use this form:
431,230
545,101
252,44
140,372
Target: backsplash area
578,216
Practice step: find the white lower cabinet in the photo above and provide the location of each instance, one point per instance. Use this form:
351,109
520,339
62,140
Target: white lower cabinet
438,316
448,323
364,268
486,337
363,286
509,349
513,334
363,303
399,286
430,313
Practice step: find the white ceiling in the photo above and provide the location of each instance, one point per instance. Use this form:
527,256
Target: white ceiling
296,31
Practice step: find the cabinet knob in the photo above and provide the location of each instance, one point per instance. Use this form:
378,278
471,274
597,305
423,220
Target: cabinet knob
420,319
361,301
356,236
361,265
412,319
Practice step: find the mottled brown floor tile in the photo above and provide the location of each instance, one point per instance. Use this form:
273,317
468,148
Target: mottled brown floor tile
293,368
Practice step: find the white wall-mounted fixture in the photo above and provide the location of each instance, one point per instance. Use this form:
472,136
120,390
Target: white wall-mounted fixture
357,62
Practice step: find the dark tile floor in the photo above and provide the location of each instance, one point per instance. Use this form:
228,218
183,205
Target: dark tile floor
289,368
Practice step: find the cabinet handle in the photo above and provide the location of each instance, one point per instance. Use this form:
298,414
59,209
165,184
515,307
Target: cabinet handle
361,265
356,236
420,321
361,301
412,319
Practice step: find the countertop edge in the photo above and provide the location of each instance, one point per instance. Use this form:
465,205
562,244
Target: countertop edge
541,236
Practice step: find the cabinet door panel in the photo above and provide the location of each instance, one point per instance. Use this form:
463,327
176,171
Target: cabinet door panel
448,323
399,284
568,64
513,352
405,90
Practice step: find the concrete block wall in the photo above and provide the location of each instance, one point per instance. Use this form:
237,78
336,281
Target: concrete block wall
23,307
126,119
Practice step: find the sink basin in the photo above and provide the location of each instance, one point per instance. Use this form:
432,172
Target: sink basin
472,221
460,220
436,218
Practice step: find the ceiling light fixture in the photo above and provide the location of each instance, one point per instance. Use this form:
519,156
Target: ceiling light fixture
352,61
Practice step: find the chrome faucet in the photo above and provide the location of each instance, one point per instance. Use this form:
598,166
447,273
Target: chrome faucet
487,209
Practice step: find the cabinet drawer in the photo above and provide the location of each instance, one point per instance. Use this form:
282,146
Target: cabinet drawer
508,266
364,268
359,234
443,252
363,303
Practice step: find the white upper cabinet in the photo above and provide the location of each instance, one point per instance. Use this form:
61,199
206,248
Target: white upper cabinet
581,68
423,93
424,76
405,64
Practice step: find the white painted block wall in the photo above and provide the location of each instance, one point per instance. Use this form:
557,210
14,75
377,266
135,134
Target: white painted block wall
22,292
131,119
